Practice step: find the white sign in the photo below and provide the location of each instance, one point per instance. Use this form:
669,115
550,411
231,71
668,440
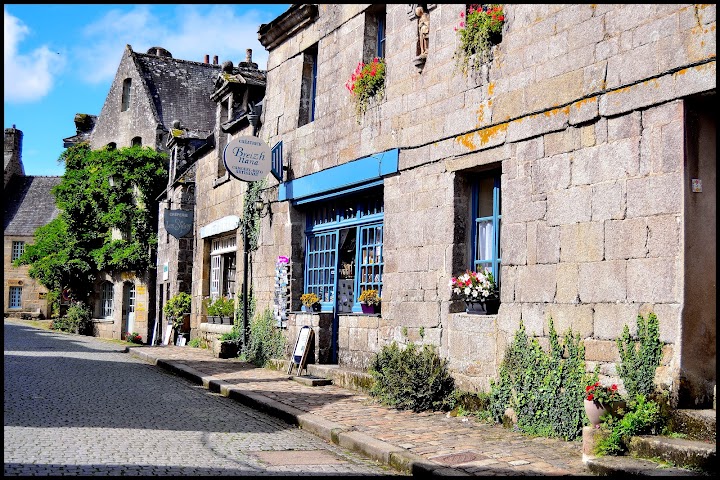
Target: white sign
166,271
247,158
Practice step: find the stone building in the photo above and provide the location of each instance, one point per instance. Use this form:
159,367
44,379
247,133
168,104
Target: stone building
28,205
578,163
152,96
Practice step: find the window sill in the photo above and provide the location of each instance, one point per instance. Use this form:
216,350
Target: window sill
221,180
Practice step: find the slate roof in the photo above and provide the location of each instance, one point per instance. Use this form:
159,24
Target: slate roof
29,204
180,89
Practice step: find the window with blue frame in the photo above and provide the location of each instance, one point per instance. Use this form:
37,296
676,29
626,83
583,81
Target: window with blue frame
486,215
344,253
374,37
308,86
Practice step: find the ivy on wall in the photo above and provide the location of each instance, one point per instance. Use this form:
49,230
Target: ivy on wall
70,250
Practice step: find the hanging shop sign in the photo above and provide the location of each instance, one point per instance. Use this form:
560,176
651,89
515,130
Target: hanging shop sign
178,223
247,158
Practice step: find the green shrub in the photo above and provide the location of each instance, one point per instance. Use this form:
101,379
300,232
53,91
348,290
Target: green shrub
265,340
411,378
638,361
77,320
545,389
195,343
642,416
176,308
234,334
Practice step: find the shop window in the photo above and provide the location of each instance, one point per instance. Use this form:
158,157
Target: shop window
486,214
222,267
18,248
15,297
308,86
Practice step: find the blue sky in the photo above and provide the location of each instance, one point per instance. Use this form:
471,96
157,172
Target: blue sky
61,59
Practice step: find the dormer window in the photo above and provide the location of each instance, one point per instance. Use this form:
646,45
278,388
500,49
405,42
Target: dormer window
126,94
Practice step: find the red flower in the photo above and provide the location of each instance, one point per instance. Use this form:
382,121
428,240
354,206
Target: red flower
588,388
590,396
613,387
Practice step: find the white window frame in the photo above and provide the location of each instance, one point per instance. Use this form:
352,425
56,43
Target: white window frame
106,302
219,248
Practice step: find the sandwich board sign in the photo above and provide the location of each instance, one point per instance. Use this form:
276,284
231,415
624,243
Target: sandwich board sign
302,346
247,158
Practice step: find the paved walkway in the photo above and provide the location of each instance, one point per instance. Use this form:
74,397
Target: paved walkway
421,443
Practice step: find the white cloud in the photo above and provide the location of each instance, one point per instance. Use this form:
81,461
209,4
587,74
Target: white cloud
28,77
188,32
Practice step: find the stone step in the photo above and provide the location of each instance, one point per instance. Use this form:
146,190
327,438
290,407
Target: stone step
311,380
635,467
692,454
696,424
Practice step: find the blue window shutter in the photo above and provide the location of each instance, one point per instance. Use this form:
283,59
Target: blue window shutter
276,165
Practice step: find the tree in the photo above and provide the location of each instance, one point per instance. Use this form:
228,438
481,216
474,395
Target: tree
102,226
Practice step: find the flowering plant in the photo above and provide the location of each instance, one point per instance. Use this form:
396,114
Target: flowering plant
602,394
476,31
309,299
367,81
370,297
133,337
474,286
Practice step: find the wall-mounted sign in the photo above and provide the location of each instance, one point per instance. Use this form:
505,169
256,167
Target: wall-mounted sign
178,223
696,185
166,271
247,158
15,283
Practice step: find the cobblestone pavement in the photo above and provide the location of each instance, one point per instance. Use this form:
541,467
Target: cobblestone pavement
76,405
465,445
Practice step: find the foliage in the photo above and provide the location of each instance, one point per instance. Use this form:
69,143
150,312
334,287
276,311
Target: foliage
196,343
71,249
309,299
366,82
252,305
176,308
233,335
265,340
476,34
411,378
474,286
545,389
251,217
638,361
77,320
133,337
221,307
602,394
370,297
642,417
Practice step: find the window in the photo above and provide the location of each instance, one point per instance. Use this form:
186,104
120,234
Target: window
344,249
15,297
106,300
18,248
136,142
222,267
486,215
374,39
308,86
126,94
111,146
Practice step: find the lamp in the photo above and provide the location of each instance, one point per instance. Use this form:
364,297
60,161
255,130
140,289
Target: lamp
259,206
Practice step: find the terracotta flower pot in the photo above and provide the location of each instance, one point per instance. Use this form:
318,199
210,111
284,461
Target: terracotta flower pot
595,410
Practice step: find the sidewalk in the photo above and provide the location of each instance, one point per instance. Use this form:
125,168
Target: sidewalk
424,443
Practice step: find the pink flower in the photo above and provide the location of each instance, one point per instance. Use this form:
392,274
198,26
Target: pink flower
462,14
462,24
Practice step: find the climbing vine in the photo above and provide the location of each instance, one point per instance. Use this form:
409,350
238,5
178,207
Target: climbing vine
251,217
101,226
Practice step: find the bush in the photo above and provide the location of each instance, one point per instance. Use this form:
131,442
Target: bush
638,361
176,308
545,389
133,337
195,343
265,340
411,378
77,320
642,417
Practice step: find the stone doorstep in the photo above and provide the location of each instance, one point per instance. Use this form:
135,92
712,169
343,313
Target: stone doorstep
311,380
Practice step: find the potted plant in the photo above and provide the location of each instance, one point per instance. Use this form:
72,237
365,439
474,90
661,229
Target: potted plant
478,290
310,302
229,346
177,310
365,83
601,400
478,31
369,300
227,310
213,309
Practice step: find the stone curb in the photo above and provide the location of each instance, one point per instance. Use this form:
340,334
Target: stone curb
378,450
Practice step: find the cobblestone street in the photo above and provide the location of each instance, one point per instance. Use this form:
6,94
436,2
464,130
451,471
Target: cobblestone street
80,406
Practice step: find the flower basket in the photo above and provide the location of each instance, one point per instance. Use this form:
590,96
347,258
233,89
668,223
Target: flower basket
369,309
601,400
478,290
477,32
370,301
367,82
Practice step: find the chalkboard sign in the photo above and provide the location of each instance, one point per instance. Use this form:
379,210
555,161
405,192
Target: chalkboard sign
302,346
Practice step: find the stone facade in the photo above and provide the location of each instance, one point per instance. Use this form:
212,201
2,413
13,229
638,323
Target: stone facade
584,110
28,205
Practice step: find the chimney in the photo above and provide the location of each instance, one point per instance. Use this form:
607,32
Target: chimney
207,58
215,59
248,55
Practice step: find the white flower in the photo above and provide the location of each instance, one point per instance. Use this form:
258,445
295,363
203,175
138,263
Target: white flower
467,291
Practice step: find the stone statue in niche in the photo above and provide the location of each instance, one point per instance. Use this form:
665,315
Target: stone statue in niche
423,30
